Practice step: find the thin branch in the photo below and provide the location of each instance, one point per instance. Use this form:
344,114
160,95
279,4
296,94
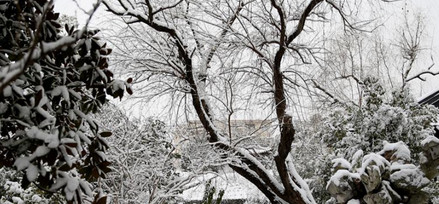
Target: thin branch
419,75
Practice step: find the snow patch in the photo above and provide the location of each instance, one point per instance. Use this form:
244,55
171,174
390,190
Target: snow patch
399,149
32,172
341,163
17,200
373,159
340,174
51,139
409,178
22,163
430,141
353,201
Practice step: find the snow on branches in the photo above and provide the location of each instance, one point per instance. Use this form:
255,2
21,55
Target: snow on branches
380,118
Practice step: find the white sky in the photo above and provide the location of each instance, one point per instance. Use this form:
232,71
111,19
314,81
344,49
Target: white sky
69,7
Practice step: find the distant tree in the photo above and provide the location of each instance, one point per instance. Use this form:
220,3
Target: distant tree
398,118
147,157
397,63
49,84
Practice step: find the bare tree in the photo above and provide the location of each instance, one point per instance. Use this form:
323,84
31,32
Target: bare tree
225,58
354,57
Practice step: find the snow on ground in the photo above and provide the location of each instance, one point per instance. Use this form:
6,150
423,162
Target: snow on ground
234,185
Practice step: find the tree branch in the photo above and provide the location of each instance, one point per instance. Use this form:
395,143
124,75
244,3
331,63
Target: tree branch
419,75
302,20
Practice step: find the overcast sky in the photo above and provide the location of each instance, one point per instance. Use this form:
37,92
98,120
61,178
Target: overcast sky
428,8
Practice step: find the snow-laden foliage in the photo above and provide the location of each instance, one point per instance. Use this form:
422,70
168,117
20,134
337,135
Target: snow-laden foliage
345,129
12,192
398,118
50,83
389,176
147,159
141,156
311,151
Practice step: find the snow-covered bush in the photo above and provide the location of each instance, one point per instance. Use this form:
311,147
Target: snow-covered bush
151,161
49,83
145,160
388,176
12,192
345,129
397,118
311,151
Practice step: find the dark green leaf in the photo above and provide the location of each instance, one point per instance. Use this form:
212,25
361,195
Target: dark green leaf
102,200
105,134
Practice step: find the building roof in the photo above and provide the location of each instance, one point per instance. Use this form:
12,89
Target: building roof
432,99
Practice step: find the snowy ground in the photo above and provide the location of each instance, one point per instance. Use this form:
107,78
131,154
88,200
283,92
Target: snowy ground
235,186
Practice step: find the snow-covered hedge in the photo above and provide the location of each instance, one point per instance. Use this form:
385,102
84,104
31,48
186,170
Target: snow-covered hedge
346,128
379,118
11,190
389,176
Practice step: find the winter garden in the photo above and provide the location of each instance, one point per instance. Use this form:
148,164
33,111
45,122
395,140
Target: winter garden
218,101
